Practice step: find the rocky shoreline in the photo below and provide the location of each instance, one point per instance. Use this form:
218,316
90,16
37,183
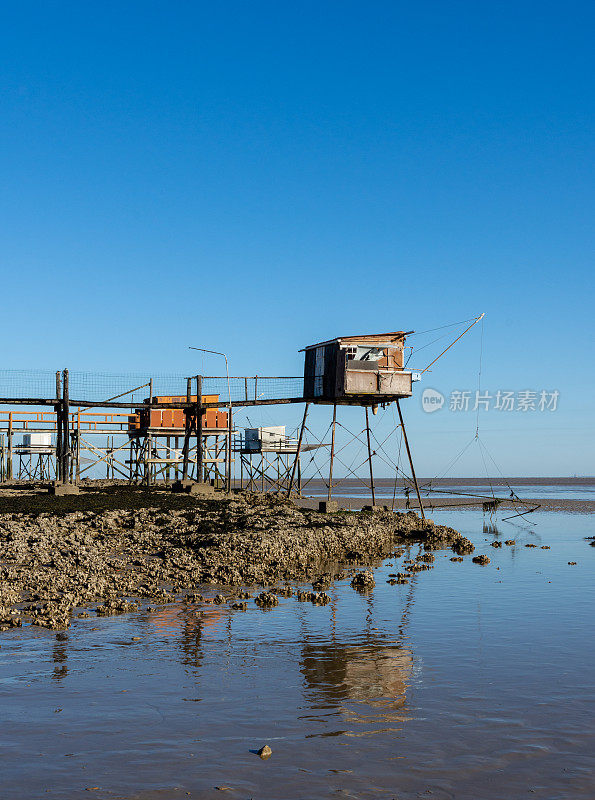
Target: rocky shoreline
57,561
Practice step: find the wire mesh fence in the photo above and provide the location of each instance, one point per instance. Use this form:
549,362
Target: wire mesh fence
254,388
100,387
23,383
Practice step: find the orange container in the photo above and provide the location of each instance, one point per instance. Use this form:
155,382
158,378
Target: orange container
178,418
155,418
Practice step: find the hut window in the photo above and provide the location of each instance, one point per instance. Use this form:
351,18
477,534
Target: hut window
369,353
351,351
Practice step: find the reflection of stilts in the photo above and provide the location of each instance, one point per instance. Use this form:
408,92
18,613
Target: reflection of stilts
60,657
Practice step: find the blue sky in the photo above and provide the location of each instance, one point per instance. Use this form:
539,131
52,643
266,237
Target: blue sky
256,177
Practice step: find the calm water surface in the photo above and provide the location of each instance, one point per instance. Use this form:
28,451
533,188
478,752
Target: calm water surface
470,682
385,489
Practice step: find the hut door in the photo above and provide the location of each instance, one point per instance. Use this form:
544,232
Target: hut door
319,372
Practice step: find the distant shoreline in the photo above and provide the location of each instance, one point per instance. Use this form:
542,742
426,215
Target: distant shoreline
545,504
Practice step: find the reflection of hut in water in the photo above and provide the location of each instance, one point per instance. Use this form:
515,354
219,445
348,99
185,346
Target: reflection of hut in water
376,674
194,624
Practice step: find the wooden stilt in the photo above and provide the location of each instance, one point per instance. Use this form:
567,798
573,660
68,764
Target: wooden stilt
372,488
78,446
421,508
330,472
9,470
188,413
299,447
229,448
149,439
199,436
65,429
58,409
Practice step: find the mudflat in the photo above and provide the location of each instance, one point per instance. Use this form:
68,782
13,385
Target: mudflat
112,546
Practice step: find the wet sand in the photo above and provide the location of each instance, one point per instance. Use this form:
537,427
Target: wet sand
467,682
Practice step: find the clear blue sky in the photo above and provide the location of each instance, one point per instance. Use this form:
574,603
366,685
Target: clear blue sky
253,177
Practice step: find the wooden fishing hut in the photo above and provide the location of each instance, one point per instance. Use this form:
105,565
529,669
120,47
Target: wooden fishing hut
358,370
362,371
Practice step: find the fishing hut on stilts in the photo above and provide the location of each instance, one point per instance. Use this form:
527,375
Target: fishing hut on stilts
366,371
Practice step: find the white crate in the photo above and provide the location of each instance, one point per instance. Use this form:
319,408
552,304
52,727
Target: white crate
37,440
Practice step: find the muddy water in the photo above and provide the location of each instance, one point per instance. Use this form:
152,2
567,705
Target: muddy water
469,682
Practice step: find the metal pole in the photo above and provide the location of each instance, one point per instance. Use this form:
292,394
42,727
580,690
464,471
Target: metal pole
451,344
330,474
370,458
421,508
297,454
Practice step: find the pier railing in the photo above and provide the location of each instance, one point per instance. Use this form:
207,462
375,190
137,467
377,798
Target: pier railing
135,388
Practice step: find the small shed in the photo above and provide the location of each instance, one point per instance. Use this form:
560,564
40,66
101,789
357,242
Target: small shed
37,444
271,439
359,370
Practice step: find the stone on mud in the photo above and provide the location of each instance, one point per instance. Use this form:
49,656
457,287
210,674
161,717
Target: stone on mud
480,559
363,581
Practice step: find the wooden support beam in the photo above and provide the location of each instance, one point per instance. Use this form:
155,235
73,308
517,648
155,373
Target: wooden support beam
229,448
199,434
421,507
65,428
59,433
299,447
372,488
188,432
330,472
